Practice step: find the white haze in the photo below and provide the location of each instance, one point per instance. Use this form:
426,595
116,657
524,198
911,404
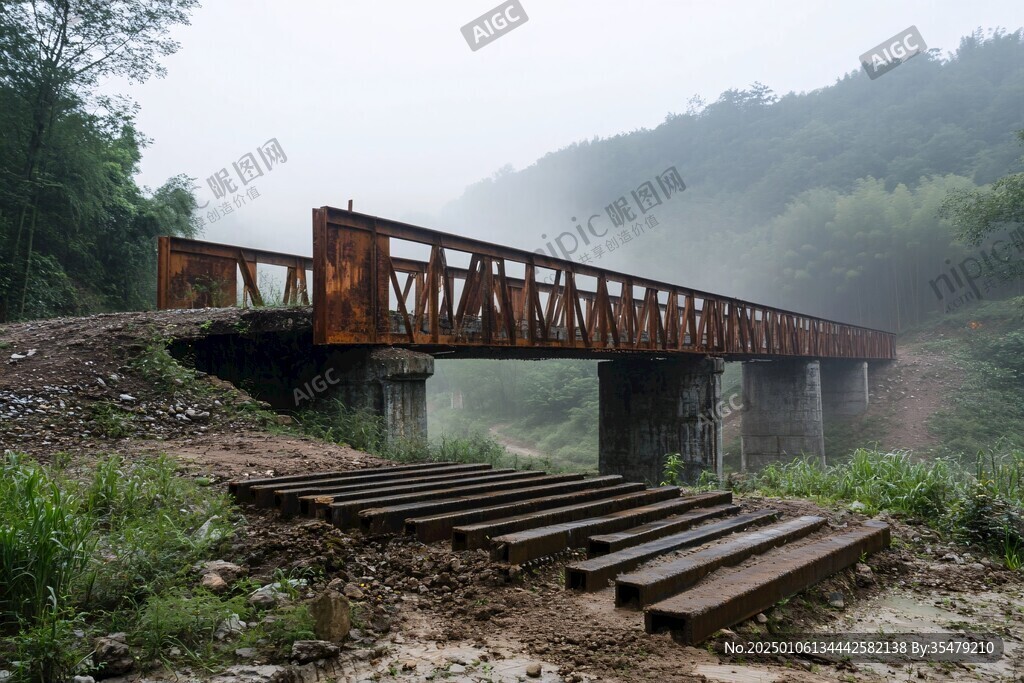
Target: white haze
384,102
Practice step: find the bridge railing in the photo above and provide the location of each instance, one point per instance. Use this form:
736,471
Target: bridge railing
197,274
467,292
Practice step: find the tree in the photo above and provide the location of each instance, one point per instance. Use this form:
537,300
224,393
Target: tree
977,214
53,53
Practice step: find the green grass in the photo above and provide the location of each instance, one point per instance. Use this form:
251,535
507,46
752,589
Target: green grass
894,482
44,542
105,554
979,502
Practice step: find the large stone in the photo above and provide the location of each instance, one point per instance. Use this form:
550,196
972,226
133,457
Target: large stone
332,616
213,582
228,628
112,656
305,651
228,571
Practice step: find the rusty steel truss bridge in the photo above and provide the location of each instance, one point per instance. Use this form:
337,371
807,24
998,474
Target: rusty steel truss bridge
473,297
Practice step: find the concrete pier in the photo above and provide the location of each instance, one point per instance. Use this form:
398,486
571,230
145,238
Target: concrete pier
652,408
782,412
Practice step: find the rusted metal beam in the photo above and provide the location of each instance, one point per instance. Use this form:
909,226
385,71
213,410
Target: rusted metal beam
647,586
479,535
241,489
319,506
344,514
295,499
428,529
356,272
594,574
728,599
270,494
523,546
392,519
603,544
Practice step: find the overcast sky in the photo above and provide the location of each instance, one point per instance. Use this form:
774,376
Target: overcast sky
385,103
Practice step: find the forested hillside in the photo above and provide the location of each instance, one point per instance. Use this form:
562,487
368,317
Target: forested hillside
77,234
823,202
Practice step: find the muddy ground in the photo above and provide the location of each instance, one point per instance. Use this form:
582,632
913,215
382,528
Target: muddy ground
88,386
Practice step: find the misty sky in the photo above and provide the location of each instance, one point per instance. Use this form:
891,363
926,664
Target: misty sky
384,102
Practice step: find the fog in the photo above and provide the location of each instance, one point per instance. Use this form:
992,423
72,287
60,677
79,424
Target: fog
385,104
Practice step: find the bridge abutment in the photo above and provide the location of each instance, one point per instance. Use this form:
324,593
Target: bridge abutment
782,412
652,408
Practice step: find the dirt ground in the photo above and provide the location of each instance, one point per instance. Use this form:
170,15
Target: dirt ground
425,612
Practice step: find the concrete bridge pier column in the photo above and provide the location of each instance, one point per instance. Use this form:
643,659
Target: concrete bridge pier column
844,387
391,383
652,408
782,412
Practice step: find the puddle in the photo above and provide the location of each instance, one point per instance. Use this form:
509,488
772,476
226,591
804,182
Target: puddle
903,611
729,673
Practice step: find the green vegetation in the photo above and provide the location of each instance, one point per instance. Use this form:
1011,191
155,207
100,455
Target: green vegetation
365,431
117,548
988,409
979,503
824,202
551,405
978,214
76,231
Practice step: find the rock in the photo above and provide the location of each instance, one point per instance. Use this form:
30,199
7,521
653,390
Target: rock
952,557
228,571
409,664
977,566
835,599
285,420
207,533
112,656
857,506
761,618
229,627
332,616
305,651
533,670
353,592
76,679
255,674
246,652
271,594
863,575
4,675
213,583
127,398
